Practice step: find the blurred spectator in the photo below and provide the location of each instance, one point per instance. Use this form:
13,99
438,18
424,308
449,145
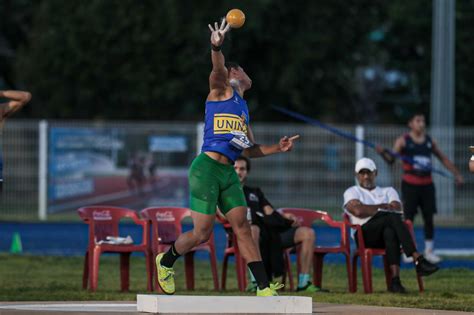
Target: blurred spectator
151,165
136,178
378,211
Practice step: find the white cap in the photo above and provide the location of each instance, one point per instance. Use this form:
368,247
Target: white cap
365,163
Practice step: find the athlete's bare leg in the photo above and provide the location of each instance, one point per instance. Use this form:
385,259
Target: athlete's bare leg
255,235
203,225
237,218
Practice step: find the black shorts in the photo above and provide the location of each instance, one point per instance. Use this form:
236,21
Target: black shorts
415,196
288,238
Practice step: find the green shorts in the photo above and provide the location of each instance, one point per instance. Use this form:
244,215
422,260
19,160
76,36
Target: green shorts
214,184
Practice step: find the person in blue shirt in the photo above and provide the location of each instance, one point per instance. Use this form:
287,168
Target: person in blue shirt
212,179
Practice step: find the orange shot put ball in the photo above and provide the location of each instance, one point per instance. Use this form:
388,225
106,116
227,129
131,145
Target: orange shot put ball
235,18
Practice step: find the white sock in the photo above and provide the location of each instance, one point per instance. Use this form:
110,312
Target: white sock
429,244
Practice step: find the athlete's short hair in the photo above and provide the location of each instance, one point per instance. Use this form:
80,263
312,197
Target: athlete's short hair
231,65
414,114
246,159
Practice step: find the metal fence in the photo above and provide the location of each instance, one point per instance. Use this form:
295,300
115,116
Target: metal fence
20,153
90,162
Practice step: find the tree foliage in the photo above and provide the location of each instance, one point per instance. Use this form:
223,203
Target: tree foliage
150,59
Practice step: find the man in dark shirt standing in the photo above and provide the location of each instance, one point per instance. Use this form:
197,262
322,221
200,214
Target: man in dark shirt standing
272,229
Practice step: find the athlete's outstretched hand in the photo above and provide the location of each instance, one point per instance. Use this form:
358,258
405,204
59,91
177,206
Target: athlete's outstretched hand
286,144
218,33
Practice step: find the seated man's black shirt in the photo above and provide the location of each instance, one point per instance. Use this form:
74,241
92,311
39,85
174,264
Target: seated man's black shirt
256,201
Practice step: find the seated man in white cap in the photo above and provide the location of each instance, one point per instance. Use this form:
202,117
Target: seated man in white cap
378,210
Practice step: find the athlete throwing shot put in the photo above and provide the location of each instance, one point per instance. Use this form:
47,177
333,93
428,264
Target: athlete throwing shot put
212,179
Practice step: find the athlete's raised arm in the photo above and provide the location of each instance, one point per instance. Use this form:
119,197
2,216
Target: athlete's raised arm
218,79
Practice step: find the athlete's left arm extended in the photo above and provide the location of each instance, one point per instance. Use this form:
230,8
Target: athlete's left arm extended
17,99
261,150
446,162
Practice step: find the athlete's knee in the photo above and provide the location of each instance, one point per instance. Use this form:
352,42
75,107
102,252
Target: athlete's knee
242,229
202,235
238,220
241,223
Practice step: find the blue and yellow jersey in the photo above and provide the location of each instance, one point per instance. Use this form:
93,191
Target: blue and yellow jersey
223,119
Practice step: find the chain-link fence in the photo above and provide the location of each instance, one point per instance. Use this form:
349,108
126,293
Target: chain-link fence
20,154
144,164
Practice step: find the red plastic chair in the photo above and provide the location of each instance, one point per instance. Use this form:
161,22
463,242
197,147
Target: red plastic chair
306,217
104,221
366,254
166,227
232,249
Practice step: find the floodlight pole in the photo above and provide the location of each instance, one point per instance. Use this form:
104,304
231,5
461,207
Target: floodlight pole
359,147
442,95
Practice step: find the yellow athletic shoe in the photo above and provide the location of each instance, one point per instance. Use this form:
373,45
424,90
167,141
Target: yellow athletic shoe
271,290
165,276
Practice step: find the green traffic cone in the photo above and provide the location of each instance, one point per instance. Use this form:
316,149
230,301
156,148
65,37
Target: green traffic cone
16,246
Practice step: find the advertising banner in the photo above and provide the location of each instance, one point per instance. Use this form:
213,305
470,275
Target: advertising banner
111,166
